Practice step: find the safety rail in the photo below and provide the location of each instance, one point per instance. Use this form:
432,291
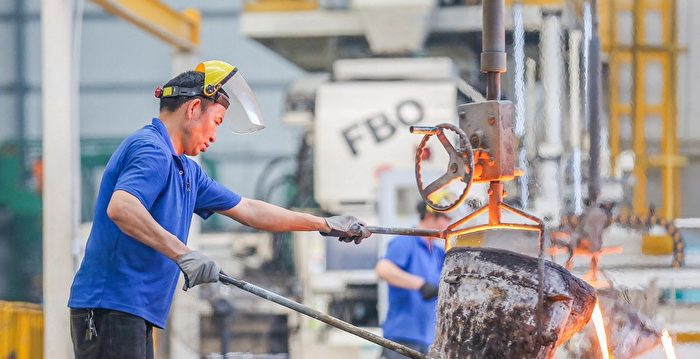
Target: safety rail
21,330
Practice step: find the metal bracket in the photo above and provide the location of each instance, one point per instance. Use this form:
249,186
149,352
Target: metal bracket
489,126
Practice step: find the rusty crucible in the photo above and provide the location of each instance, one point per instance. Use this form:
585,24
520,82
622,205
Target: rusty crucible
487,307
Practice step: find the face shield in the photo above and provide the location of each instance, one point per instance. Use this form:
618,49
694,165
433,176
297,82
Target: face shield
225,85
251,119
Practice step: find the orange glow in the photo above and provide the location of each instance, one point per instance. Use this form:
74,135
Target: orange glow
668,345
600,330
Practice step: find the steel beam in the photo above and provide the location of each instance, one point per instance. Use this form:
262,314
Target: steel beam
179,29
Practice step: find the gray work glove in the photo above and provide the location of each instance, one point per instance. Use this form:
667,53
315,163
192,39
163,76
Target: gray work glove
347,229
197,269
428,291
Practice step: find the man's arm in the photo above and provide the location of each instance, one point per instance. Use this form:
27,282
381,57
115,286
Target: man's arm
396,276
268,217
132,218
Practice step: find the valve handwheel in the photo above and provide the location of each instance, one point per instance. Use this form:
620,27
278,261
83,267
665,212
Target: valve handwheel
460,166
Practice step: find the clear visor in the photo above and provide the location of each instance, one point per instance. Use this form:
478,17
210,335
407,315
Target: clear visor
243,115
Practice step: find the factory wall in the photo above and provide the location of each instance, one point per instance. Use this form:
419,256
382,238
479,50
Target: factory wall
120,66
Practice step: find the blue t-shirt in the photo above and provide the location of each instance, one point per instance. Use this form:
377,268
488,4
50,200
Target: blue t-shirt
410,317
119,272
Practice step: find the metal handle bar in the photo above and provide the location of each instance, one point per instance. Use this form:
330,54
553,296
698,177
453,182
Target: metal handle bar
333,321
407,231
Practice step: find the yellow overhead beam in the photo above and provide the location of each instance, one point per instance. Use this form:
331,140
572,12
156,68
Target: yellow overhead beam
280,5
179,29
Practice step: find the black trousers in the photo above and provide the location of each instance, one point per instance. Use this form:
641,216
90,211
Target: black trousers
390,354
116,335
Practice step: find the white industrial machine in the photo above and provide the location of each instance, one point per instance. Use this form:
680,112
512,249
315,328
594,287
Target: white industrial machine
362,120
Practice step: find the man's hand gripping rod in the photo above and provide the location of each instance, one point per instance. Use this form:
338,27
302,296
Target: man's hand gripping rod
364,334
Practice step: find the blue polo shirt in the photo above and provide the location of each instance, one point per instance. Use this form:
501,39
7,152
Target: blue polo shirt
121,273
410,318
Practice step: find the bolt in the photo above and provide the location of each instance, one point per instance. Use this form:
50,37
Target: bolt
474,140
492,120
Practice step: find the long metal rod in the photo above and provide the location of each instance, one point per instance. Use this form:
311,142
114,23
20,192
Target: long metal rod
364,334
594,80
407,231
21,89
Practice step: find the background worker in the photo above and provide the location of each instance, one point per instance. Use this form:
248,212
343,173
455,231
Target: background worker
148,194
412,267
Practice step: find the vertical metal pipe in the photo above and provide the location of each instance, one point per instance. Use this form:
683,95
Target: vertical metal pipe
530,109
493,86
552,73
593,94
493,55
20,88
495,199
519,79
225,332
586,71
548,202
575,118
519,68
494,33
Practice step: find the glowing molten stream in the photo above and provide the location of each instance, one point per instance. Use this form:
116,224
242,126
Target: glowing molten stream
600,331
668,345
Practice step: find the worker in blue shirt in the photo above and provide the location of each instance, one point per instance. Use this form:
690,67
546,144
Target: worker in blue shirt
149,192
412,267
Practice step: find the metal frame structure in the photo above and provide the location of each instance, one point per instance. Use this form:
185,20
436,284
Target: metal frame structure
643,54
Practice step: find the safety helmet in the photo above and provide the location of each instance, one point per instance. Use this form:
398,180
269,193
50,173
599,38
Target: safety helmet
442,197
222,80
445,197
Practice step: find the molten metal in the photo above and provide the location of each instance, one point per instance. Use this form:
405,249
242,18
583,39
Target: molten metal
600,331
668,345
629,332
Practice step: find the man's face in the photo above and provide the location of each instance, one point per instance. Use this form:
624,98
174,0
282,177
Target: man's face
201,127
